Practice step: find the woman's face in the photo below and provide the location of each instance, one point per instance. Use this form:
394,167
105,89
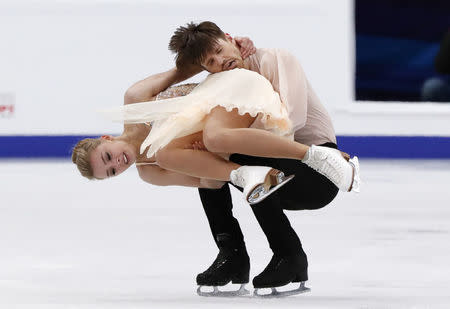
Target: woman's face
111,158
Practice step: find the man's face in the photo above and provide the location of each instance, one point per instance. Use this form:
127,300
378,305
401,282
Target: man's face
111,158
225,56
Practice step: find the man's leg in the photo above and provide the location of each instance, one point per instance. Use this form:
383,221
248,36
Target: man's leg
232,262
308,190
289,262
218,207
270,215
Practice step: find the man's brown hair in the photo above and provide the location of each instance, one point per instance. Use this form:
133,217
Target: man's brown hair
193,42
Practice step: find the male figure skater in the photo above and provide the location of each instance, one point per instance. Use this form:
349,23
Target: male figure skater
206,46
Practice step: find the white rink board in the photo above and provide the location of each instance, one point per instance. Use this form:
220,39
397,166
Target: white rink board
70,243
63,60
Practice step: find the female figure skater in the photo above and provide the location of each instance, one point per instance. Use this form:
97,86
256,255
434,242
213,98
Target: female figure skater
177,130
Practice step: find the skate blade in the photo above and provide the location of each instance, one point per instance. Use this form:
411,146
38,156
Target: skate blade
262,191
218,293
279,294
356,185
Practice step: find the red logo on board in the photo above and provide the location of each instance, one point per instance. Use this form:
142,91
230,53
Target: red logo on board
6,110
7,106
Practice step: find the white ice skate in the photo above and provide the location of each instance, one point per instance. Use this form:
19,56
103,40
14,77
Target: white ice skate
330,163
258,182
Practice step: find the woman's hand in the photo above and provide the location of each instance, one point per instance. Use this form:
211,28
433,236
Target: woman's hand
185,73
198,145
345,155
246,46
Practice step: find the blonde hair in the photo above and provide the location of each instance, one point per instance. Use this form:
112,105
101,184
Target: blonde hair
81,156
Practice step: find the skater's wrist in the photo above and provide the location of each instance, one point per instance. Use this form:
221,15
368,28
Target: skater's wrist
182,74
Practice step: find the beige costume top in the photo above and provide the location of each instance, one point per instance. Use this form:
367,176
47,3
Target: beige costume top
176,117
311,122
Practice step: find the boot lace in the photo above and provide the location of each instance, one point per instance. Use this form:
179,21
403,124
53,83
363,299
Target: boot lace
237,179
329,166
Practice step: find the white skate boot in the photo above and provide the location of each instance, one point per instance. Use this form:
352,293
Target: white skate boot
330,163
258,182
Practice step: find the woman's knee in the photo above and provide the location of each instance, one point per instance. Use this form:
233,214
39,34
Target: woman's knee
215,140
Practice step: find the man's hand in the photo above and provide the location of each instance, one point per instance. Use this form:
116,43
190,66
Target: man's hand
246,46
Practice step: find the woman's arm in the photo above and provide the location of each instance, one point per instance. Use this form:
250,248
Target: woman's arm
158,176
146,89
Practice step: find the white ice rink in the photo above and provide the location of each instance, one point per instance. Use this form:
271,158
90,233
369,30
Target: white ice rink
70,243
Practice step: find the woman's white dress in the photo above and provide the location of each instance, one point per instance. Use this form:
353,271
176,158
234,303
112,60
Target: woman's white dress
176,117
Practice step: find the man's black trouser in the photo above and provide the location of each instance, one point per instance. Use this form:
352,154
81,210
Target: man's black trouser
308,190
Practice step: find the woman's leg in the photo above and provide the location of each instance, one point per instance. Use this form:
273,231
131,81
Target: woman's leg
225,132
229,132
179,156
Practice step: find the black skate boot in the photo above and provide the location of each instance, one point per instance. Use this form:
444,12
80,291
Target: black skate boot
283,270
231,264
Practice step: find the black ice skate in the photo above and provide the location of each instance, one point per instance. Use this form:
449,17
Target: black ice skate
282,270
232,265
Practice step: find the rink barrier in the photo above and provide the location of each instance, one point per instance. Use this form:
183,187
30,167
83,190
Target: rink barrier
407,147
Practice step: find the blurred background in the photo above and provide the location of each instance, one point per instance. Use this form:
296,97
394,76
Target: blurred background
402,50
61,61
381,69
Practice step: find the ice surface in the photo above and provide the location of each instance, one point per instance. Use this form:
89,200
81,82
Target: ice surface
66,242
